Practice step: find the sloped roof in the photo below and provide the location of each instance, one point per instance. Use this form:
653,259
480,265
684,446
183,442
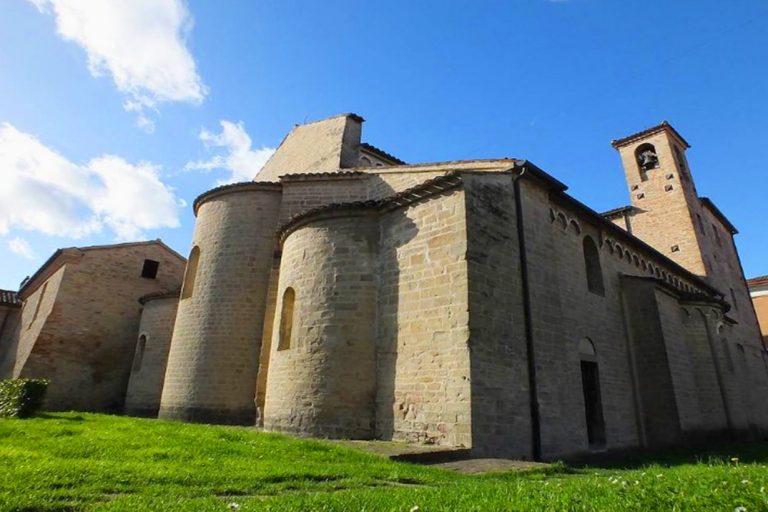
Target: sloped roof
71,253
707,202
381,153
615,212
757,281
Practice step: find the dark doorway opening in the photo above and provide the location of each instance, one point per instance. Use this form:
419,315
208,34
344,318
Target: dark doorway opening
593,405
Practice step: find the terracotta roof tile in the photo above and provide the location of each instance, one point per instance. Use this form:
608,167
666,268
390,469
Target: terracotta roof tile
757,281
380,152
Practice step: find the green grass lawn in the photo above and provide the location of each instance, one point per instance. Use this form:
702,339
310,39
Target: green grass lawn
67,462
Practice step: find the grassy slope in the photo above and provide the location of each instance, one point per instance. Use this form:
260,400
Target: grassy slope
97,462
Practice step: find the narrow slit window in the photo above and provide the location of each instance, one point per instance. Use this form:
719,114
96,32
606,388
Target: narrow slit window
592,267
189,278
141,346
286,319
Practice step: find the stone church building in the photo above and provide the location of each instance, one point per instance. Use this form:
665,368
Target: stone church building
345,293
75,320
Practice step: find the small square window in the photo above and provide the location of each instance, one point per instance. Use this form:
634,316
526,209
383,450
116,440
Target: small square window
670,176
668,188
149,270
635,187
675,248
640,195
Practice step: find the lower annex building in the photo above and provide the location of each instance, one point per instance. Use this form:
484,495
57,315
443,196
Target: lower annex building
345,293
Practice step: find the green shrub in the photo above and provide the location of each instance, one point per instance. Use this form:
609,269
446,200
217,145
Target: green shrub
21,398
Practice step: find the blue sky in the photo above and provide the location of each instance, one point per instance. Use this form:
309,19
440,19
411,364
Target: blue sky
113,119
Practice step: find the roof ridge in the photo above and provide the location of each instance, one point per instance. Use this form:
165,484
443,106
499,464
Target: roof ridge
381,152
664,125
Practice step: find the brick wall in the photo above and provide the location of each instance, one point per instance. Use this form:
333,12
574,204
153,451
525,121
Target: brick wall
88,324
9,319
666,202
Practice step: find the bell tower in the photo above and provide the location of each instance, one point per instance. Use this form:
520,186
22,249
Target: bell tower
665,206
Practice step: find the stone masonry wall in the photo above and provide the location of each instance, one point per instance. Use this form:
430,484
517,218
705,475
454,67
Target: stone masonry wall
680,361
651,366
565,312
712,416
501,419
307,192
214,357
322,379
149,361
423,389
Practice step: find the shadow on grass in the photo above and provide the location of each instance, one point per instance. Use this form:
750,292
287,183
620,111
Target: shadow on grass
61,417
721,453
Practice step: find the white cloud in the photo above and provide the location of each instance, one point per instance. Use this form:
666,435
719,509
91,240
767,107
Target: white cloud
141,44
22,248
43,191
237,157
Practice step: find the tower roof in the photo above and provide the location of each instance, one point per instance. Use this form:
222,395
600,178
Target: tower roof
663,126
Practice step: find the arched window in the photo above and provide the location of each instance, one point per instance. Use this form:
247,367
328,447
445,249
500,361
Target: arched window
590,386
592,267
189,278
139,356
286,319
587,350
